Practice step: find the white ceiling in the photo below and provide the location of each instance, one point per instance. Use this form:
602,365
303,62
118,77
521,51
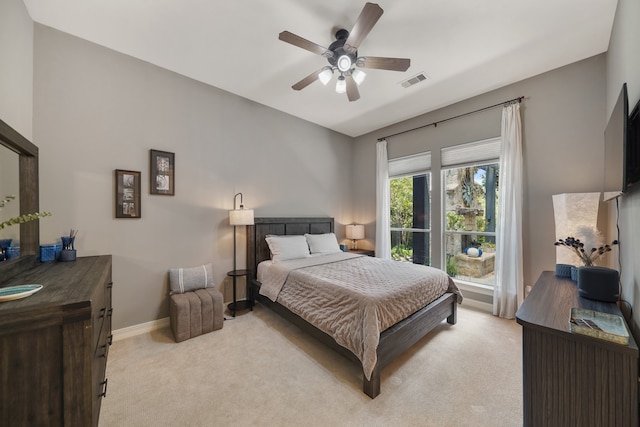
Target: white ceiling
465,47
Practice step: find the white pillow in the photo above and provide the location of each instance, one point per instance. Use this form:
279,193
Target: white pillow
287,247
322,243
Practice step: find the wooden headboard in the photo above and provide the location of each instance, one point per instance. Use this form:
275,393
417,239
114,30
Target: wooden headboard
257,248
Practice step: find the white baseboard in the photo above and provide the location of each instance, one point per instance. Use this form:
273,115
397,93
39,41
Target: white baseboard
142,328
478,305
476,288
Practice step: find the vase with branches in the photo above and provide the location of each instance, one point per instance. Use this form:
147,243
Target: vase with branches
587,256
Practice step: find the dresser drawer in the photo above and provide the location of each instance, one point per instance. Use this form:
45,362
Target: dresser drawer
98,314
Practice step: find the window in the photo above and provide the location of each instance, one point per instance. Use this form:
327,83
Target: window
470,178
410,207
469,206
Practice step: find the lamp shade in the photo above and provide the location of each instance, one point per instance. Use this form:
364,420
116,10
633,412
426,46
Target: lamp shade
325,75
241,217
341,85
576,215
355,231
358,76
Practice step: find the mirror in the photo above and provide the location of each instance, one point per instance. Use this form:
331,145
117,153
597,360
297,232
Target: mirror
9,199
27,200
9,186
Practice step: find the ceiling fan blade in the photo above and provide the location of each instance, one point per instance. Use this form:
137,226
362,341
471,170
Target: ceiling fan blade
307,80
352,88
393,64
365,22
295,40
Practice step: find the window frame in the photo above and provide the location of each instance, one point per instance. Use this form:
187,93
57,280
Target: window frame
425,231
407,167
445,232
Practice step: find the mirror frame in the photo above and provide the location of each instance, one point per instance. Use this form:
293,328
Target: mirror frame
28,194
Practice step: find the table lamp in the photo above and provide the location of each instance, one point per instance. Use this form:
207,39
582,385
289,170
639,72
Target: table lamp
355,232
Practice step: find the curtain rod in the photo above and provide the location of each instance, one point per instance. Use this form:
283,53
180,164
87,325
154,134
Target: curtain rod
435,124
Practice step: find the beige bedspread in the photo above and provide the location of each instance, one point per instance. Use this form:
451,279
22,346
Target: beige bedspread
354,298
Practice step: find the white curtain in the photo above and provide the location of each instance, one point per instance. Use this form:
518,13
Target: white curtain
509,288
383,232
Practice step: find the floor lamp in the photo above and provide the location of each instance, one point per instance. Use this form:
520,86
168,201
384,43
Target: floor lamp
239,216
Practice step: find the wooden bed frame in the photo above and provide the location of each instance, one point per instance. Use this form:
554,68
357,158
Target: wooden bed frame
393,342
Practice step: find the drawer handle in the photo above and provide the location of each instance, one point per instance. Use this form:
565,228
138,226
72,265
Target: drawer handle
110,312
111,339
105,348
104,388
110,285
103,310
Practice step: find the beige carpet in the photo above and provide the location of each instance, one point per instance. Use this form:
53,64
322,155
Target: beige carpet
260,370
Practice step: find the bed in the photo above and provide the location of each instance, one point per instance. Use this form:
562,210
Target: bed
391,342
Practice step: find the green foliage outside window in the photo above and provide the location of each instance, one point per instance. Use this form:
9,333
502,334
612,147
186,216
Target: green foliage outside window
454,221
401,192
401,202
400,253
452,267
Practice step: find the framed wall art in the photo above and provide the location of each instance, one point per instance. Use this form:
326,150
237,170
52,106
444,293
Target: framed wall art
162,172
127,194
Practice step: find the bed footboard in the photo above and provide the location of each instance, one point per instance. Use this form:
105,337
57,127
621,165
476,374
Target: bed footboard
403,335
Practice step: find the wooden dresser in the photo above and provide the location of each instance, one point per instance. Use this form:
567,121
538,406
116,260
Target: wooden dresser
571,379
54,345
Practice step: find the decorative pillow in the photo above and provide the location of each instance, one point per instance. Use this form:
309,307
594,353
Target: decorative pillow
322,243
183,280
287,247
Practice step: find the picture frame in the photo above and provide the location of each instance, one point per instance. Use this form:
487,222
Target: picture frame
127,194
162,172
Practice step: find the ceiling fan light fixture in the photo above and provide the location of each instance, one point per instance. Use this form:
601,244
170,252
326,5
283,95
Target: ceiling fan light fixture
358,76
325,76
342,55
341,85
344,63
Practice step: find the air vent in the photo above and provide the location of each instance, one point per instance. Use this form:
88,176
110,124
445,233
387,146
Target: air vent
414,80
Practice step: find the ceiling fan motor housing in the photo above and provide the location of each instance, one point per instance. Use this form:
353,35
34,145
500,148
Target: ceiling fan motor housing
341,59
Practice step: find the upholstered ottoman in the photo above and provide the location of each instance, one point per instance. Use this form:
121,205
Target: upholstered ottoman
195,306
195,313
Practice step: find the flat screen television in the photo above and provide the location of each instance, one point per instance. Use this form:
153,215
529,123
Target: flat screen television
632,161
615,148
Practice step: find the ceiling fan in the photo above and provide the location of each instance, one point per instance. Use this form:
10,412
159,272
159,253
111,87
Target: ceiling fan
343,57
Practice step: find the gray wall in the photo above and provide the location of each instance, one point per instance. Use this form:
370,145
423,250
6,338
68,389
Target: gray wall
96,110
16,66
563,119
16,97
623,65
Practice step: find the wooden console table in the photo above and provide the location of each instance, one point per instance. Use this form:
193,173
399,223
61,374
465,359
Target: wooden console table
571,379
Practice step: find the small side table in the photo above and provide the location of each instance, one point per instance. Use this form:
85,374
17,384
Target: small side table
239,305
367,252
